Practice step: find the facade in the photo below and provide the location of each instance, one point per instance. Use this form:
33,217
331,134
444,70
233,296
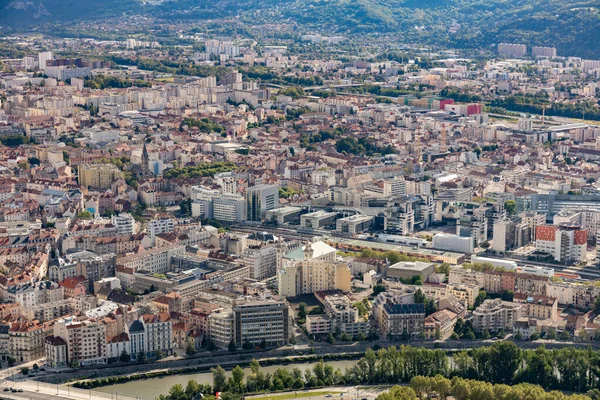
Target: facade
565,244
85,340
311,276
99,176
260,199
512,49
258,321
495,315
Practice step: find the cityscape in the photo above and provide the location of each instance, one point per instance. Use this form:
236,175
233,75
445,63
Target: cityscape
253,208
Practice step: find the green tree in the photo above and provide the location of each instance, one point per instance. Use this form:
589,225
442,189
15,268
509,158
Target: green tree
124,357
85,214
219,379
232,348
510,206
190,349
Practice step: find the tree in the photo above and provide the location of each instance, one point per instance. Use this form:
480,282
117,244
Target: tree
510,206
597,306
124,357
85,214
159,354
263,344
419,297
237,380
219,379
192,389
330,338
551,335
232,348
378,289
141,356
177,393
25,370
292,151
480,298
506,358
190,349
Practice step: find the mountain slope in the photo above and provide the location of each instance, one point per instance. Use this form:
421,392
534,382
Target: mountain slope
572,26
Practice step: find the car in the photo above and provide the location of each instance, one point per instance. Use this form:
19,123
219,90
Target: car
7,389
328,395
20,390
13,390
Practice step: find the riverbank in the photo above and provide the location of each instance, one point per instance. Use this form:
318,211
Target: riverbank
303,353
228,365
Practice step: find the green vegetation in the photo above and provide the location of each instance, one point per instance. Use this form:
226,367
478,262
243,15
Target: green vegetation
200,170
535,105
287,192
204,125
364,146
294,395
469,389
172,67
391,256
85,214
15,141
482,373
108,82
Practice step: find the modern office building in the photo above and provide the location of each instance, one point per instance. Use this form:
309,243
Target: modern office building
260,199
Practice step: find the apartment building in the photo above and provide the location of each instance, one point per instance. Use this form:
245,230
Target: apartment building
258,321
26,340
55,349
565,244
541,307
100,176
311,276
535,285
85,340
262,260
440,325
159,333
155,261
125,224
495,315
158,226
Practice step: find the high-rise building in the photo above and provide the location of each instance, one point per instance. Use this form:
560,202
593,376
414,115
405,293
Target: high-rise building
565,244
512,49
549,52
260,199
42,58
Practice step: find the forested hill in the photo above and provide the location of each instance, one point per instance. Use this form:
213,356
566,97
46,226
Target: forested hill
573,26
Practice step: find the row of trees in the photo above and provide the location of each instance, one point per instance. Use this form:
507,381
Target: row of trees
502,363
483,373
468,389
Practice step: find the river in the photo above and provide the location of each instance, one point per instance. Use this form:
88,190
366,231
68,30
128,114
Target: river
148,389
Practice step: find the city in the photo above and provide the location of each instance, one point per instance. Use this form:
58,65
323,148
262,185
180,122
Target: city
365,214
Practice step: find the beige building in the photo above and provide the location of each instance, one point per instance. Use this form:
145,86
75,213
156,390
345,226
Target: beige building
310,276
464,291
85,339
99,176
542,307
495,315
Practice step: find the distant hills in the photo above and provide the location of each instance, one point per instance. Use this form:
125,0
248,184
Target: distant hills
573,26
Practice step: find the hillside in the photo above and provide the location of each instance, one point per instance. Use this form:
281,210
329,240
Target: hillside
569,25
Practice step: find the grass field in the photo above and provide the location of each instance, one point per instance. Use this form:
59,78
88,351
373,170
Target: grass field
293,395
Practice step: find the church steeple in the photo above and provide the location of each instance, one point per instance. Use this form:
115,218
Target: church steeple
145,160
